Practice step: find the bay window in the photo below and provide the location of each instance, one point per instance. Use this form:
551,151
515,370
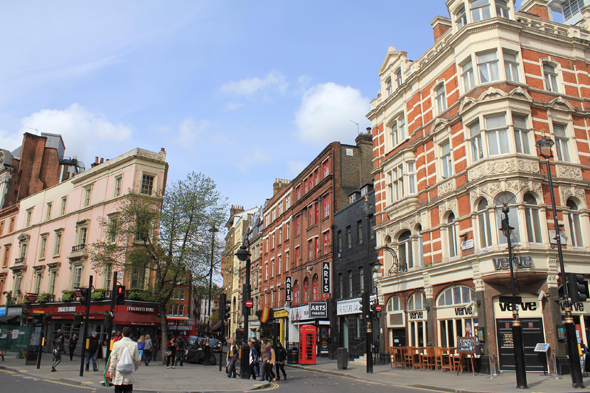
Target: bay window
511,66
497,135
460,17
533,224
406,255
487,67
467,75
411,177
480,10
476,147
502,9
484,226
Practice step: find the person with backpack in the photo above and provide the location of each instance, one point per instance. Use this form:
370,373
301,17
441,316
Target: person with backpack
180,349
124,360
281,355
58,346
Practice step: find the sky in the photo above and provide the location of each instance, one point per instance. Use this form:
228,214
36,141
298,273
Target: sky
244,91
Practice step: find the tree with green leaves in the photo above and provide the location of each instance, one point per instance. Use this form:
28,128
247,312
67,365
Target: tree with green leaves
164,242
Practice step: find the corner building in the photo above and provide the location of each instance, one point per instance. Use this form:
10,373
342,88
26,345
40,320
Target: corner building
454,136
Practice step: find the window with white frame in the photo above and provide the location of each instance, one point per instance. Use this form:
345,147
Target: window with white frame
451,236
406,254
571,8
272,268
398,77
51,283
29,217
64,203
467,75
550,76
445,159
502,9
43,246
487,67
87,195
411,176
533,223
398,131
37,281
476,147
395,304
561,142
484,224
511,66
460,17
388,87
398,183
48,211
147,184
509,200
521,134
118,186
280,264
440,98
480,10
77,276
573,216
497,135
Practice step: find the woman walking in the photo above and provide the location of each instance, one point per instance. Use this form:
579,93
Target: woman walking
58,346
170,352
140,346
232,357
72,346
281,356
147,349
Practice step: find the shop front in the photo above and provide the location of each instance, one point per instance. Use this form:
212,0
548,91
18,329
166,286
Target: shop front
456,315
316,314
349,320
581,314
282,318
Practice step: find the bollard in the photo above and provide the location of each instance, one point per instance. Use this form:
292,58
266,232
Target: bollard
492,368
556,374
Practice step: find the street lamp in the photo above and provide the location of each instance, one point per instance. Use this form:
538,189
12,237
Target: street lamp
368,315
243,255
519,365
213,230
545,150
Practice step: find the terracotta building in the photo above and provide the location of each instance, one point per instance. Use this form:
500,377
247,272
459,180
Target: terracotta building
454,135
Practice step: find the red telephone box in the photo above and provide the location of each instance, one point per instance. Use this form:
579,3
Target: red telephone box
307,344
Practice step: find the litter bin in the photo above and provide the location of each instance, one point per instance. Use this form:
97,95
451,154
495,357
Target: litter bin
293,356
342,358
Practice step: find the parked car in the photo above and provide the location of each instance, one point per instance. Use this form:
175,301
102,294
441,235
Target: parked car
215,344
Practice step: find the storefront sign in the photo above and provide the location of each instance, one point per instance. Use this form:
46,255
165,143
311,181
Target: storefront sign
416,315
351,306
528,307
288,293
299,313
463,310
2,311
281,313
579,307
326,277
66,309
318,310
521,262
140,309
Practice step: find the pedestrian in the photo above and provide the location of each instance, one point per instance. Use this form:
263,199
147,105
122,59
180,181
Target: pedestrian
180,349
140,346
253,361
123,381
268,361
72,346
58,346
170,352
232,357
91,352
147,350
264,355
281,357
118,336
256,365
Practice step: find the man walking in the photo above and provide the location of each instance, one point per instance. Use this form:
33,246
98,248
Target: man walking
253,360
91,351
123,381
180,349
72,346
58,346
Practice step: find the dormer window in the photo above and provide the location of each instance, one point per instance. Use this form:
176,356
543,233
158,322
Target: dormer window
388,87
480,10
398,77
502,9
461,18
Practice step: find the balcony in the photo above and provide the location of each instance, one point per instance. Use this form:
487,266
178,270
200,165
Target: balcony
79,247
20,260
78,251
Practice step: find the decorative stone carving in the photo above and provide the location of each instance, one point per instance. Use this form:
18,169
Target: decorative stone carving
478,283
446,187
519,91
569,172
501,166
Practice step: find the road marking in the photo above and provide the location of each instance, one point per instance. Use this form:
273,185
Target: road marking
273,387
8,372
69,384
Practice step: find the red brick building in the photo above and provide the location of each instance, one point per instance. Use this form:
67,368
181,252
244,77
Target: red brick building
454,136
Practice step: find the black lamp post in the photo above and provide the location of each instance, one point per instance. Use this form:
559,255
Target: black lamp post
545,150
213,230
519,365
243,255
368,314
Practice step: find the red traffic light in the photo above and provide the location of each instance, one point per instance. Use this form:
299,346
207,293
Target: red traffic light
120,290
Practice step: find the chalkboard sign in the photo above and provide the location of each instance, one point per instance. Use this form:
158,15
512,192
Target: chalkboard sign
468,345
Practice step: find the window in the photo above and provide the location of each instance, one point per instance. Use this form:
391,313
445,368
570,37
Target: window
521,134
397,183
571,8
42,246
272,267
440,98
467,75
394,304
451,236
279,266
349,237
266,270
298,225
406,257
23,249
531,213
476,148
280,235
6,257
561,142
445,160
48,211
51,286
298,253
274,215
455,326
37,281
398,131
398,77
497,135
287,261
77,276
461,18
288,201
317,213
296,292
340,286
388,87
511,66
326,242
147,184
411,177
339,242
82,235
484,225
118,185
550,78
280,208
509,200
29,217
502,9
573,216
306,290
326,166
487,67
359,231
64,203
350,292
326,205
310,250
480,10
1,227
87,196
298,192
362,279
315,288
287,231
317,176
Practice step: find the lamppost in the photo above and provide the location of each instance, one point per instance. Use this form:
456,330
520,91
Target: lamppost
243,255
545,150
368,315
213,230
519,365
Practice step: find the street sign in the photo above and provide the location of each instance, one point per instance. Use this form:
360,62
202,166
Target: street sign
378,308
119,275
78,293
248,303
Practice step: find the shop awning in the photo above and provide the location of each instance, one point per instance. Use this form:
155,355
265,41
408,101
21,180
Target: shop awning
311,322
135,318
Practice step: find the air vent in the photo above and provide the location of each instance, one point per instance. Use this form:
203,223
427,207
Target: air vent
396,319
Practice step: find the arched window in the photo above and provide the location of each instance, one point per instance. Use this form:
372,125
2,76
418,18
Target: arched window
533,224
450,323
483,221
394,304
573,216
509,200
417,302
456,296
296,292
406,258
418,320
306,290
315,291
451,236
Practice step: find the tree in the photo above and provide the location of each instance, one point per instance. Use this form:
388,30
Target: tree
165,238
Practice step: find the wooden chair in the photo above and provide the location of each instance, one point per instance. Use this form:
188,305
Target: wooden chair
442,360
409,357
417,358
396,357
427,358
459,362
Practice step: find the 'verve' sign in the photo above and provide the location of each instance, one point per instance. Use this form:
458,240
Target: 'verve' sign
525,306
521,262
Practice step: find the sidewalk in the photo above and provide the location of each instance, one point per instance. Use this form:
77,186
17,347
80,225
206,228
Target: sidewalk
154,378
466,382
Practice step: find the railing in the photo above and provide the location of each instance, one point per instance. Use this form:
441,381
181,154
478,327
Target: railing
19,260
79,247
357,351
552,27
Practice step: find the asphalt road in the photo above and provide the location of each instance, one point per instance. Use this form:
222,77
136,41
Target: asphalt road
315,382
14,382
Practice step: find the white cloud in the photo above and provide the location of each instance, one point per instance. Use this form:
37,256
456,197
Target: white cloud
295,167
274,81
233,106
189,131
326,111
255,157
85,133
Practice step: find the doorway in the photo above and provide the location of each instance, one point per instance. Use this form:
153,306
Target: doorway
532,334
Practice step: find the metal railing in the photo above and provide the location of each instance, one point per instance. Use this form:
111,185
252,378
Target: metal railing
19,260
79,247
357,351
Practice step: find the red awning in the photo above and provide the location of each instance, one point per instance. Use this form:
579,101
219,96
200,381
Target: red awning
135,318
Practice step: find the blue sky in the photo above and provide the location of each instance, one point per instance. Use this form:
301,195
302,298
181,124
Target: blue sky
244,91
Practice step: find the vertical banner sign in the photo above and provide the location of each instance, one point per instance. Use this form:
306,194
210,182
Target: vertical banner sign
326,277
288,282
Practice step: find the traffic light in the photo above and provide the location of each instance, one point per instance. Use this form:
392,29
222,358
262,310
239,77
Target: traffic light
120,294
578,288
85,294
227,309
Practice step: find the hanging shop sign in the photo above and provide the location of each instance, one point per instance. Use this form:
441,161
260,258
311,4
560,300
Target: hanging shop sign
326,277
520,262
288,286
281,313
318,310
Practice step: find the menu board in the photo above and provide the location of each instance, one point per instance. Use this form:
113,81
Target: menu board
468,345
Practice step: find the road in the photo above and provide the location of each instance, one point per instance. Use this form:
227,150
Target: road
15,382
